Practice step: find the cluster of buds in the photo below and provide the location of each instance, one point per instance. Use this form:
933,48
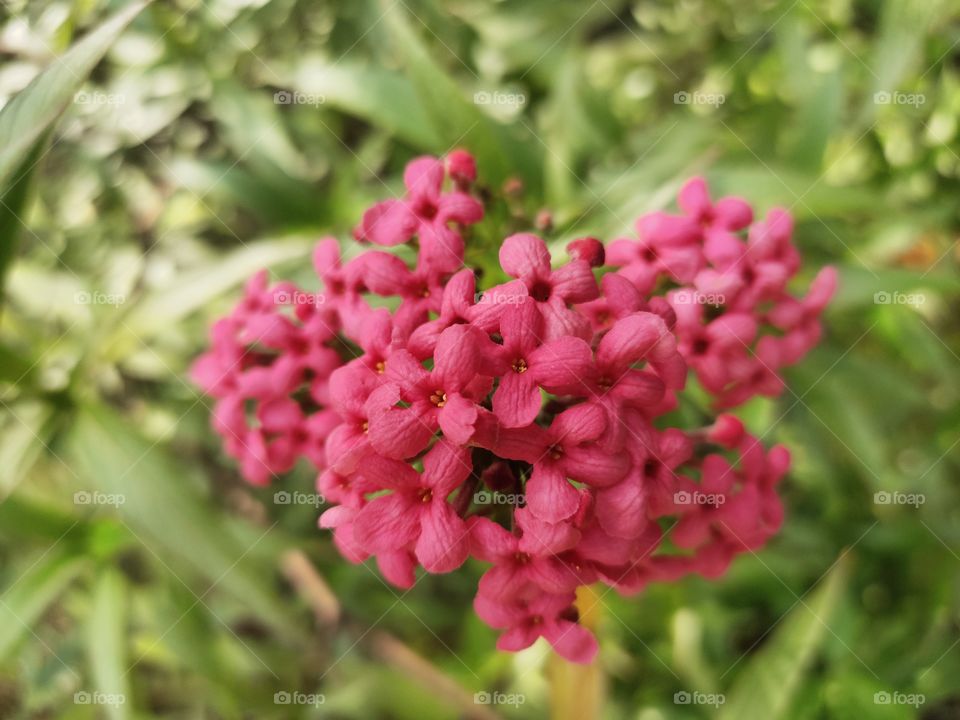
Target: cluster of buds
529,425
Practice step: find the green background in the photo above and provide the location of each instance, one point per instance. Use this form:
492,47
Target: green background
174,175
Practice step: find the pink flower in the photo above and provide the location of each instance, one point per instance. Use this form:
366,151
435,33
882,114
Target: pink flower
549,389
444,398
525,256
553,617
416,513
557,366
425,213
567,449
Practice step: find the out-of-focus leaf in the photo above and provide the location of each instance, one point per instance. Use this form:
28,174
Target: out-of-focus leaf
25,119
31,594
13,204
455,120
107,643
764,689
24,430
382,98
194,289
165,509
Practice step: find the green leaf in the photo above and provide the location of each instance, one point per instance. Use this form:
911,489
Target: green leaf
192,290
22,604
165,509
381,97
455,120
765,688
13,204
106,642
25,119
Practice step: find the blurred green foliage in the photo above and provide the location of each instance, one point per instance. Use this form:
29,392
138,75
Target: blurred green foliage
175,172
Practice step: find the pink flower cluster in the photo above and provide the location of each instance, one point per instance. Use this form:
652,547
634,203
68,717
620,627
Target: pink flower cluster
529,425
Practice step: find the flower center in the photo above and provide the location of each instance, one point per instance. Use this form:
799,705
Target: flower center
521,558
364,427
520,366
540,291
425,495
438,398
700,346
380,367
556,452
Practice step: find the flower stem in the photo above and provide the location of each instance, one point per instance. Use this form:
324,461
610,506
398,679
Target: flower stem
577,691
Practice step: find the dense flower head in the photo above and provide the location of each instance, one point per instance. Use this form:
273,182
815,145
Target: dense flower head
530,424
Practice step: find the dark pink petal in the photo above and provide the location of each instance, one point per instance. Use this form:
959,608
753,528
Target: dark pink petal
388,223
578,424
401,432
459,295
640,388
443,544
445,467
387,523
732,213
496,611
522,328
398,566
544,538
549,495
595,466
661,228
621,294
441,249
527,444
489,541
525,255
622,508
574,282
631,339
383,273
460,208
517,400
572,641
518,638
403,368
559,320
694,198
457,418
455,357
423,177
494,302
384,472
562,364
